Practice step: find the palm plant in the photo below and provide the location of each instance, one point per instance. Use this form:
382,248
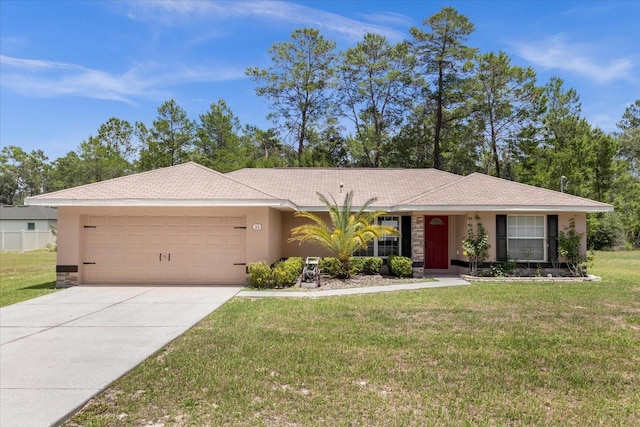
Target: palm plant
347,232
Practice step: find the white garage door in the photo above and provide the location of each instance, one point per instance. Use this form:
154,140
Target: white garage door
164,250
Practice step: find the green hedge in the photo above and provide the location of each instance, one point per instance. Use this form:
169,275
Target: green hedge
371,265
400,266
283,274
259,275
331,266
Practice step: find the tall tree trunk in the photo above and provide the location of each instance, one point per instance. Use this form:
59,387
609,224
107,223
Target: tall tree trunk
494,149
439,107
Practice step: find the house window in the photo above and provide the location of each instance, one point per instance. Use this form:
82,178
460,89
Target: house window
31,226
386,245
526,237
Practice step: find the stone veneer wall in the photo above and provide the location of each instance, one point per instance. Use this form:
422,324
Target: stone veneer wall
417,244
66,279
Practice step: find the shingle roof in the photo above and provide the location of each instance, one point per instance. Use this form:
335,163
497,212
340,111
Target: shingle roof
297,188
301,185
479,190
186,182
27,212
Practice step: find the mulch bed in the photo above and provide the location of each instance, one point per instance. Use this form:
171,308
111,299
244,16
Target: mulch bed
327,283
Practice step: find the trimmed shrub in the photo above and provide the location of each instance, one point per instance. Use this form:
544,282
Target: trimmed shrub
280,275
400,266
357,265
371,265
260,275
330,266
283,274
296,263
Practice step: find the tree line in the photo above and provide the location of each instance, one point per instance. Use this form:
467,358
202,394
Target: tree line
428,101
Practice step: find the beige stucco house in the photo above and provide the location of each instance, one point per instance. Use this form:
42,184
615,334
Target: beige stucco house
188,224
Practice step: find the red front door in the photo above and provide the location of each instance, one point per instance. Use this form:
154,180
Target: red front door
436,242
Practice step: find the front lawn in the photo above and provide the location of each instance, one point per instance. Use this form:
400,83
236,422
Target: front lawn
486,354
26,275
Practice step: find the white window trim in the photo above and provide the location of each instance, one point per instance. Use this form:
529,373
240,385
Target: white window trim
374,244
544,238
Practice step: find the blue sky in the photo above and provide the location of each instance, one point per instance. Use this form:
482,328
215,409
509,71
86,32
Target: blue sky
67,67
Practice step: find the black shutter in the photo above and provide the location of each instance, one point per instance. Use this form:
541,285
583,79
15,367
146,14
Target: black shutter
552,236
501,237
406,236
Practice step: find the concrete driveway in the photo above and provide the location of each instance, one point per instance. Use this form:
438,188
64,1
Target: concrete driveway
59,350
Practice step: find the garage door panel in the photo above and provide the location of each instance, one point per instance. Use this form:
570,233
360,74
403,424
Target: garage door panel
116,221
195,239
139,221
234,221
136,237
195,260
95,238
118,238
154,221
175,238
195,221
236,240
173,221
95,220
155,237
214,221
137,258
214,239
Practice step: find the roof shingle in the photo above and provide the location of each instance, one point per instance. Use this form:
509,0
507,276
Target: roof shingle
188,181
478,189
301,185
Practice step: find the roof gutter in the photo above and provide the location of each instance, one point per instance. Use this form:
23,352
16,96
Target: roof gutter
162,202
288,204
502,208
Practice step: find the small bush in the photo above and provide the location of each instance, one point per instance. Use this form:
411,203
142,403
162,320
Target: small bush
260,275
400,266
569,247
296,263
280,275
503,269
357,265
330,266
367,266
371,265
283,274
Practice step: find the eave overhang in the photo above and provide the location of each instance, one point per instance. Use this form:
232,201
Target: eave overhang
502,208
289,205
280,204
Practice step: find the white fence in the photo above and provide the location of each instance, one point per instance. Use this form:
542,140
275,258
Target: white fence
26,240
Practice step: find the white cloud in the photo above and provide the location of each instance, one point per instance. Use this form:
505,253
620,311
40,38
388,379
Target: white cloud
389,18
579,58
45,79
185,12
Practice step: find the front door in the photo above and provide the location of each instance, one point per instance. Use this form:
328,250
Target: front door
436,241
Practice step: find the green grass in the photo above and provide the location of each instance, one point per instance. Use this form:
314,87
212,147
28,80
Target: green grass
26,275
486,354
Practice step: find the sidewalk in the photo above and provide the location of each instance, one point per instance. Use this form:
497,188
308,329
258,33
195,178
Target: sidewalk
440,282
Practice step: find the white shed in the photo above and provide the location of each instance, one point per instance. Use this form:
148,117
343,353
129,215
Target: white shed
27,228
